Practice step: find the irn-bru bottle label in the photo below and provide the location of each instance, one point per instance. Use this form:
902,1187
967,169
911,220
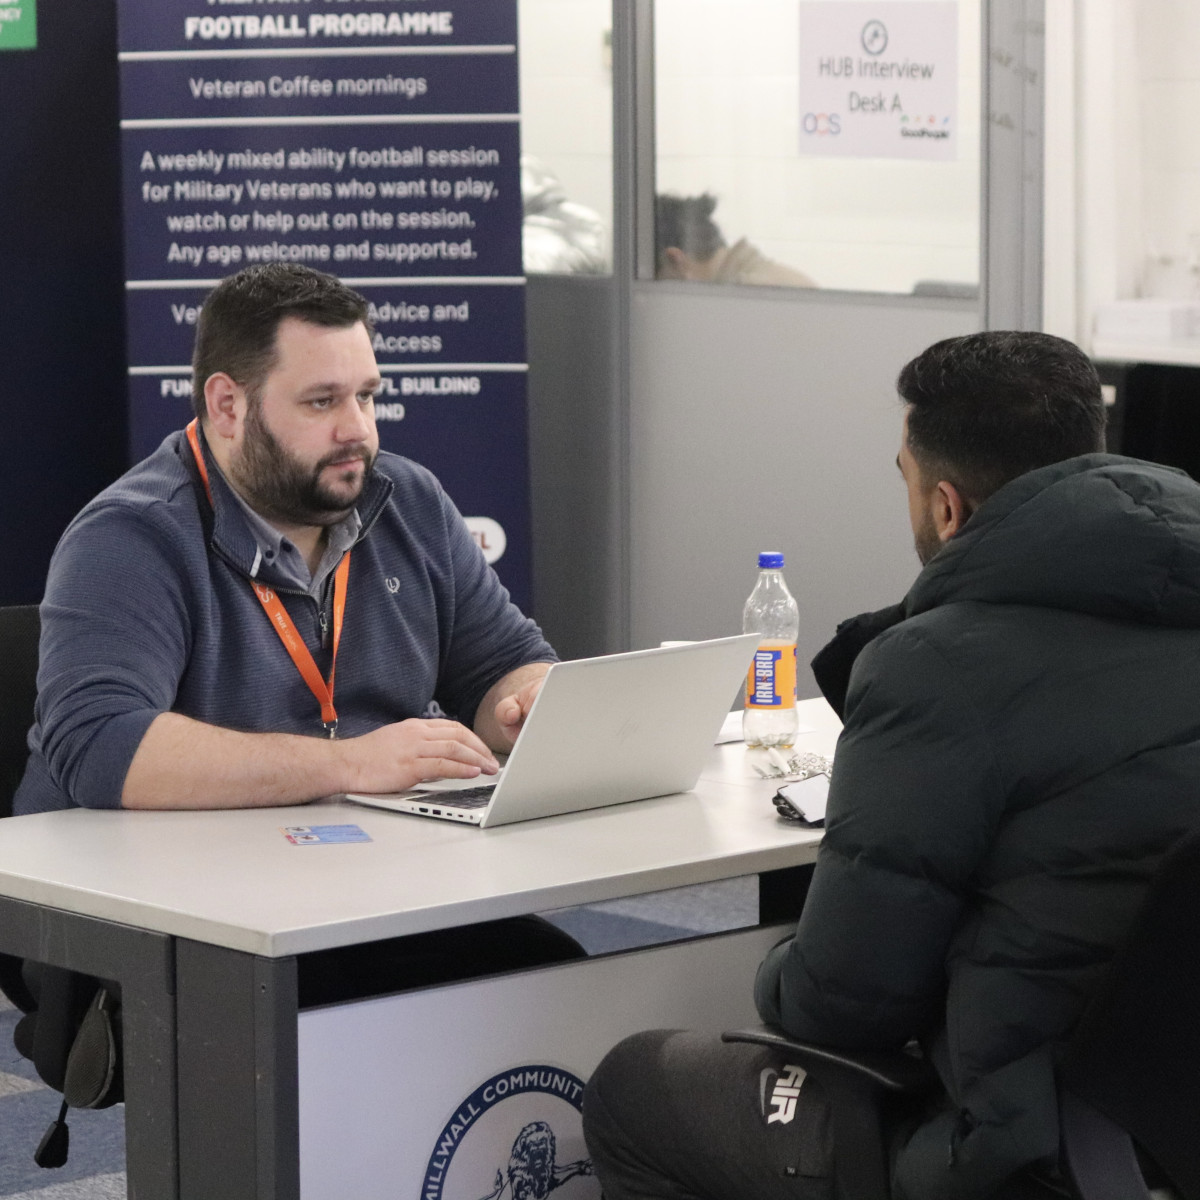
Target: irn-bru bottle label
771,681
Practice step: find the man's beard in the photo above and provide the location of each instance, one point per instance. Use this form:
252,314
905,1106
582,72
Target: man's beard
926,539
279,486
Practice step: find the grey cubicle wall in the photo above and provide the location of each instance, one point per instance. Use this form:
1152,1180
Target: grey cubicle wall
574,453
769,422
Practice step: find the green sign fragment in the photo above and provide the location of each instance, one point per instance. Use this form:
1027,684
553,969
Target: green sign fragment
18,24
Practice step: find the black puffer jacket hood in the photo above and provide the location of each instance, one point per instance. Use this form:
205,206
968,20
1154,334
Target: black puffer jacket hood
1104,535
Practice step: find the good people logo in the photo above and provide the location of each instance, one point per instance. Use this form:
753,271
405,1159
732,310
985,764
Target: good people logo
515,1137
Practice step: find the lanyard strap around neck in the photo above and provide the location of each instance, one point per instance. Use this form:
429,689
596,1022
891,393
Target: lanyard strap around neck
282,623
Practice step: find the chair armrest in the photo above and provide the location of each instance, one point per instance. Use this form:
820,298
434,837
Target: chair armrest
1098,1154
889,1071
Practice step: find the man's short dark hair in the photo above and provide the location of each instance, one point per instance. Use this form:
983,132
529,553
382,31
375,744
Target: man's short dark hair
235,332
988,407
686,223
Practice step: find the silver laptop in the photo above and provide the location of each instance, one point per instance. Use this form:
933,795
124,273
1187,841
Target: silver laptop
601,731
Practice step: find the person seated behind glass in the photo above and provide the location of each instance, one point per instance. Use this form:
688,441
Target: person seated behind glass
689,245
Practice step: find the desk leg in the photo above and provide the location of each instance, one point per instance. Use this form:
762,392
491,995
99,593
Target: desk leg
141,962
239,1120
151,1131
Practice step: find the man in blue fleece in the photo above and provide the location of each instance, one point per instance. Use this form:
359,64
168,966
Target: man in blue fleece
267,579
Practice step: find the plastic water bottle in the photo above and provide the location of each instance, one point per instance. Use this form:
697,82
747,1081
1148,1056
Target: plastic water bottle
771,612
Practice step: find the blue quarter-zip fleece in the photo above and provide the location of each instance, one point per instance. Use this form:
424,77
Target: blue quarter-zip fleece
149,609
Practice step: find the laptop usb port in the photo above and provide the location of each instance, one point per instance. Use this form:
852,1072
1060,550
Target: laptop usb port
437,812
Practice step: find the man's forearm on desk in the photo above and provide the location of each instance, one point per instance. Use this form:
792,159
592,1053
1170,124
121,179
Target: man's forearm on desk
182,763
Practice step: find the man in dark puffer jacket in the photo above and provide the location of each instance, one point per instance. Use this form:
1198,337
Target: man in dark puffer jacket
1021,746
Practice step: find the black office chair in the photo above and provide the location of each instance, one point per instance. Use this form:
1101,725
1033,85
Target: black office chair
1129,1085
73,1043
19,629
1130,1080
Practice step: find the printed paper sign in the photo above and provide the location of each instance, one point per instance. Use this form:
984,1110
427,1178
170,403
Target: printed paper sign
879,80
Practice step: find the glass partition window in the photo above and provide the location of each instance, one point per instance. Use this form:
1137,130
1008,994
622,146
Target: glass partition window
566,135
831,144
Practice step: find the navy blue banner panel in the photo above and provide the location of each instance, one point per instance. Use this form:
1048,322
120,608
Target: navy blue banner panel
374,139
62,389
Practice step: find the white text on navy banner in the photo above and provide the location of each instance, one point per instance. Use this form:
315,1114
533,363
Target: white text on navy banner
320,24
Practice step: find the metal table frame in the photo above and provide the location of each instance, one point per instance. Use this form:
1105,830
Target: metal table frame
210,1045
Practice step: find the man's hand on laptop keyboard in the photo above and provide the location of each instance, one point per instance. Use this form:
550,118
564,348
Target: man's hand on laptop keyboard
394,757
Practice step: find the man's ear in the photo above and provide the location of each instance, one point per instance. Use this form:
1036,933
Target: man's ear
950,509
223,399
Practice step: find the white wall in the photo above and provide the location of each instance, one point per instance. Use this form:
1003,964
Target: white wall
1138,162
1060,242
1168,72
566,95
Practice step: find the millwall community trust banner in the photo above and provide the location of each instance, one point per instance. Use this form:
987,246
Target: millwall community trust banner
374,139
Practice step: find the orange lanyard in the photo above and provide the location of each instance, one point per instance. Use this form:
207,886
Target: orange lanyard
293,643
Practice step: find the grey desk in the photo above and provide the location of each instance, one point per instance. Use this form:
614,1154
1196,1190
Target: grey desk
200,917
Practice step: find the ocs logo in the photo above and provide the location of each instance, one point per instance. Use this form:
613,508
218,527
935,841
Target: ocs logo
822,124
515,1137
489,536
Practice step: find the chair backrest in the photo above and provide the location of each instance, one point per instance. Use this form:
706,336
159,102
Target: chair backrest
1136,1053
19,629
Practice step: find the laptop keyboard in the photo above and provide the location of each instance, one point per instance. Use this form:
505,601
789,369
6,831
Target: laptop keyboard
476,797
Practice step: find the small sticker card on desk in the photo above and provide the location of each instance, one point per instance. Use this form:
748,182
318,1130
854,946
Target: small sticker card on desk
324,835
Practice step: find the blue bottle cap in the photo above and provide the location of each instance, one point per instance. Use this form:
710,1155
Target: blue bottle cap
770,560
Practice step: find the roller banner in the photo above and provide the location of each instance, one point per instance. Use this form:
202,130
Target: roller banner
378,140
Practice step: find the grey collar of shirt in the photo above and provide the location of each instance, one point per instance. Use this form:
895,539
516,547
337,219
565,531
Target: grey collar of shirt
282,556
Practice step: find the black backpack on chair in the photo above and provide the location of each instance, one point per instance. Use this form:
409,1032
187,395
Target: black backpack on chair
70,1029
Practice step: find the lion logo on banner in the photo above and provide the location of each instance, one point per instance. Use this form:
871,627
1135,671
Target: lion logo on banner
532,1171
541,1104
